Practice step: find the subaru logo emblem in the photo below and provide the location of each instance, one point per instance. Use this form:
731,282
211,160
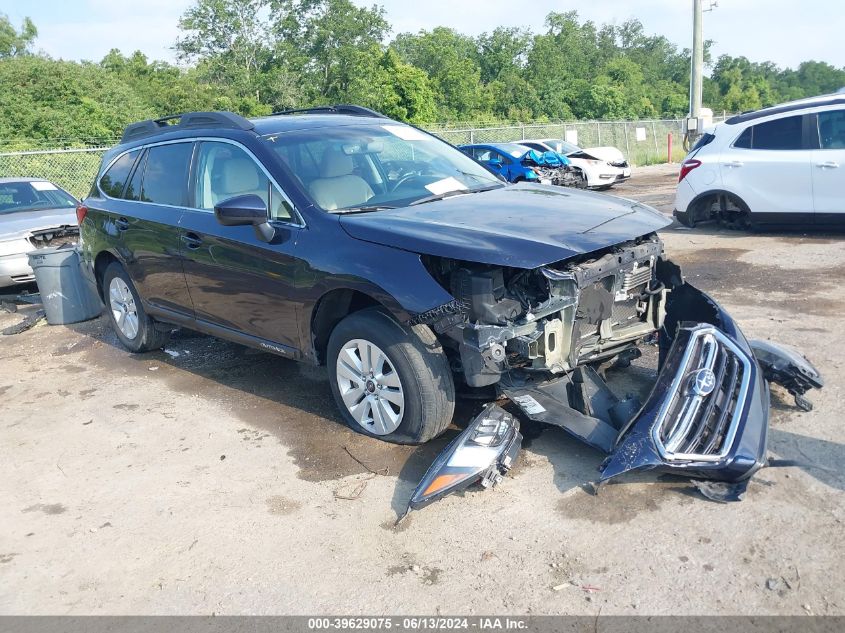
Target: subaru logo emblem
702,382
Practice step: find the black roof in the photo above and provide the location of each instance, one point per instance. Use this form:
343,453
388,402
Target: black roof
229,120
805,104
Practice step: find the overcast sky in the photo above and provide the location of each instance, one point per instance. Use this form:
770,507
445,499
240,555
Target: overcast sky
784,31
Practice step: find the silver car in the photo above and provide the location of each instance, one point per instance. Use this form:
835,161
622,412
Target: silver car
34,213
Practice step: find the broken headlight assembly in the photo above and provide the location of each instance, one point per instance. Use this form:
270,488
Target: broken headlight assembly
483,452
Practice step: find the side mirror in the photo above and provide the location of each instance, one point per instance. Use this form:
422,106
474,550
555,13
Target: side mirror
246,210
243,210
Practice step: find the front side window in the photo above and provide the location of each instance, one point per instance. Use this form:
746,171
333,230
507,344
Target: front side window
225,171
31,195
376,165
832,129
114,179
166,174
780,134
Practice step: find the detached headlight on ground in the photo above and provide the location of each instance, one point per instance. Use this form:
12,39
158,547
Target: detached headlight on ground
483,452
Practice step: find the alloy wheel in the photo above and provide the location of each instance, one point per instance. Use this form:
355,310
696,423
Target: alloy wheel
370,387
123,308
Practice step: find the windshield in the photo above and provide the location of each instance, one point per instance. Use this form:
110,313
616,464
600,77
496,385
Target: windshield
27,196
562,147
514,149
368,166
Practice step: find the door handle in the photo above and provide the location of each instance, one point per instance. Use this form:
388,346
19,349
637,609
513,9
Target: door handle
734,163
828,165
122,224
192,241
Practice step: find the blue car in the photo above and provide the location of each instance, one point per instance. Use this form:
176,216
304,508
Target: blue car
515,162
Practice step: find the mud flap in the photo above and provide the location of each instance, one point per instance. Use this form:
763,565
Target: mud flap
484,452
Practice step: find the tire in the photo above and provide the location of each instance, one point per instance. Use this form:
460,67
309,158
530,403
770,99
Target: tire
119,294
415,365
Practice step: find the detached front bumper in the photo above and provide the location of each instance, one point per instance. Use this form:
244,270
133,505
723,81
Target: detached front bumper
707,415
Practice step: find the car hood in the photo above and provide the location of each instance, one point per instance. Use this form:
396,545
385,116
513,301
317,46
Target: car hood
521,226
607,154
22,223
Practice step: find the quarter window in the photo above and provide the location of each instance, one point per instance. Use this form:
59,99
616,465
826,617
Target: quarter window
133,189
115,177
780,134
832,129
166,174
225,171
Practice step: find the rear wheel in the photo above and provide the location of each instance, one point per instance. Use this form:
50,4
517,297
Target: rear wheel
137,331
390,381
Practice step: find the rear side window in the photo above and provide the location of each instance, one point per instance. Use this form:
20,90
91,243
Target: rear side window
780,134
114,179
705,139
832,129
166,174
744,140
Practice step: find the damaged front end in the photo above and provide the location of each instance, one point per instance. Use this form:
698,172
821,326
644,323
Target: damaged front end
546,338
554,169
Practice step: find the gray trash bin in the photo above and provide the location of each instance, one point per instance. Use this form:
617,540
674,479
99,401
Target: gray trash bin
64,293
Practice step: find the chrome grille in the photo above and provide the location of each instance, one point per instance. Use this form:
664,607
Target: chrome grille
698,421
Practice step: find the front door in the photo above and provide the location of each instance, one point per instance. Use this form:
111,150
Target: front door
829,168
237,281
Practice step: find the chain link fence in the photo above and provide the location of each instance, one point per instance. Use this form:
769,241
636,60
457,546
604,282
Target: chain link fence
71,169
643,143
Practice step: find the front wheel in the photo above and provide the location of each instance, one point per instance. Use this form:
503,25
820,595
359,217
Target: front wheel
390,381
135,329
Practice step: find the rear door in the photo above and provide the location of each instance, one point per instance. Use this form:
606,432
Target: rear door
148,190
769,167
829,166
237,281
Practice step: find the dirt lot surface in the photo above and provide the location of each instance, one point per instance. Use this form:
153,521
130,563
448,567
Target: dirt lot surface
211,478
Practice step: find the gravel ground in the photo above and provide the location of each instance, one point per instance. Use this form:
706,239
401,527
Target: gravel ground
211,478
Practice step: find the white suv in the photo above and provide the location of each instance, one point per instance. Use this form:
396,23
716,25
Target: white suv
783,165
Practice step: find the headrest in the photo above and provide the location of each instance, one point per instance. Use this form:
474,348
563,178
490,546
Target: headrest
336,163
240,174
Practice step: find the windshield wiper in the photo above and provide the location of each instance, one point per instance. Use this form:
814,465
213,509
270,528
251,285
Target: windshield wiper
363,209
456,192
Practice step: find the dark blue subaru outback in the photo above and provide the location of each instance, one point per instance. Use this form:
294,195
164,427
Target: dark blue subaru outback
337,236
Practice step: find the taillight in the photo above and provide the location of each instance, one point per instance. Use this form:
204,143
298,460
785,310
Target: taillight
81,212
687,166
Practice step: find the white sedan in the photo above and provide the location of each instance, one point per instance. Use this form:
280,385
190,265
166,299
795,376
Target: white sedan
602,167
34,213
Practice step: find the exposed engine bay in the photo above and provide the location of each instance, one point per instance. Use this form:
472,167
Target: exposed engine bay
551,319
545,337
551,168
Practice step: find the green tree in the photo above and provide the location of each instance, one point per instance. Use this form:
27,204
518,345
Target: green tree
326,38
228,39
14,43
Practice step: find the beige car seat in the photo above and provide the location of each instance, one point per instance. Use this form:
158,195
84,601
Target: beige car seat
337,187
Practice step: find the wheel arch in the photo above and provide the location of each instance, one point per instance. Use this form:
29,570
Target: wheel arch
336,304
696,203
101,263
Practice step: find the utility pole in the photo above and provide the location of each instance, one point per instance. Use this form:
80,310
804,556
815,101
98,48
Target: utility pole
696,71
